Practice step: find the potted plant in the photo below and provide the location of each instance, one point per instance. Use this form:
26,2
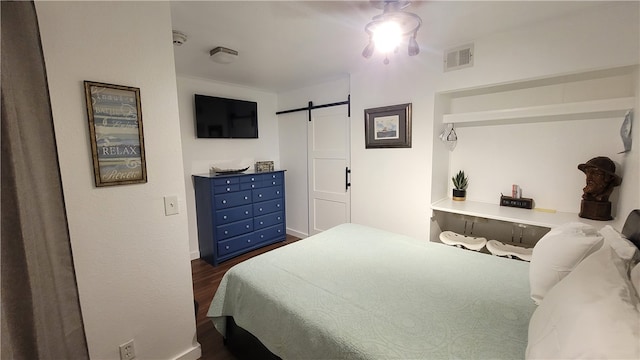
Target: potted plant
460,183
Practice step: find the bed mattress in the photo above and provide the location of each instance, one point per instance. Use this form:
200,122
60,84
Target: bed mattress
361,293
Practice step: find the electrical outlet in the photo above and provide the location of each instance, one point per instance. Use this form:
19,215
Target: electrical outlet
127,351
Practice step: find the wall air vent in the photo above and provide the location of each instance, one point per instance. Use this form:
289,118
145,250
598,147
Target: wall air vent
458,58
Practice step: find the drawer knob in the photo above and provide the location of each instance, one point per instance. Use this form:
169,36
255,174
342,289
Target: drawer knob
224,217
278,217
226,232
248,240
273,176
246,212
279,230
261,236
224,201
261,222
273,182
260,209
253,186
253,179
247,226
227,247
228,182
246,198
259,195
228,189
278,205
278,192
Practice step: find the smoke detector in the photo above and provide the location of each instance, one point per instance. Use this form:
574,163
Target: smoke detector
179,38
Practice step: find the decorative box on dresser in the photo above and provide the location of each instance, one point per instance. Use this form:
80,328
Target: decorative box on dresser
238,213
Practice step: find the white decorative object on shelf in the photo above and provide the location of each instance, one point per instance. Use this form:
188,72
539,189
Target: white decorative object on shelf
625,131
500,249
469,242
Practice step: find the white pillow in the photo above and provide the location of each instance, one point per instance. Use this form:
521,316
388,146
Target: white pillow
557,253
623,247
591,314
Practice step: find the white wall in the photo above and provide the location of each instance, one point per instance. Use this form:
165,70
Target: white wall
599,38
543,157
131,261
293,146
391,187
200,154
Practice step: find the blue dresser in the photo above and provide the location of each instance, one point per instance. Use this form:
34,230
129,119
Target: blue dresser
238,213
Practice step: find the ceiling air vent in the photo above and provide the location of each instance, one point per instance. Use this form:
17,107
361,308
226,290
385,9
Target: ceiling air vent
458,58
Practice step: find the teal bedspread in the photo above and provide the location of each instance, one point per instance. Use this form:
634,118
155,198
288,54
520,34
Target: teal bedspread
354,292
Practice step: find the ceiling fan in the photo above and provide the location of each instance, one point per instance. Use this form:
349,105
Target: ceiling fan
387,30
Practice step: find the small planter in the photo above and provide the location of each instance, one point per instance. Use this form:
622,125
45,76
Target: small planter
459,195
460,183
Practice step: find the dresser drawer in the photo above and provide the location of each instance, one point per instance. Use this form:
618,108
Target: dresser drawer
260,222
250,179
226,188
234,229
273,176
236,244
270,233
232,199
268,193
271,182
266,207
250,185
233,214
225,181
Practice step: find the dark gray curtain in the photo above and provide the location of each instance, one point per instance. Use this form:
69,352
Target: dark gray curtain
41,316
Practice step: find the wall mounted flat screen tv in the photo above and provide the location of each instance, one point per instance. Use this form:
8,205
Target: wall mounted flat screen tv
218,117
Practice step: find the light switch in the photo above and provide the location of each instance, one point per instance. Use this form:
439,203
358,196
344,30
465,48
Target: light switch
171,205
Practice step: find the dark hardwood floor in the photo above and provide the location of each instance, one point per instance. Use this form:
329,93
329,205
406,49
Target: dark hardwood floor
206,279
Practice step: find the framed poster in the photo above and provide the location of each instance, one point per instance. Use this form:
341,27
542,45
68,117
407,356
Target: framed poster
388,127
115,131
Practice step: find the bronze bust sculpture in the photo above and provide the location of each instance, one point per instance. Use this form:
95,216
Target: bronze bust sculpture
601,179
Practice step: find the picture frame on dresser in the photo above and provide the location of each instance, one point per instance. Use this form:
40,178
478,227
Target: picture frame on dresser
388,126
115,133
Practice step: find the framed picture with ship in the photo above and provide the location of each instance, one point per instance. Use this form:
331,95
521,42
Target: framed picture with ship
115,131
388,127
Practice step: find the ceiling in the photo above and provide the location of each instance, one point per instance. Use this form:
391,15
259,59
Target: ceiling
285,45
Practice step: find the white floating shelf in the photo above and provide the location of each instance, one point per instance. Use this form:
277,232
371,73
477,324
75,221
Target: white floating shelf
513,215
596,109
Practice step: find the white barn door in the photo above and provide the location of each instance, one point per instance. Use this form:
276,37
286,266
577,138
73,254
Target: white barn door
328,142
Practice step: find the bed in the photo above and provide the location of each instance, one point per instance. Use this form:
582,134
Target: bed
355,292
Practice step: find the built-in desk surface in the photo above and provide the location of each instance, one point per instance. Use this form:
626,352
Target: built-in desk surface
510,214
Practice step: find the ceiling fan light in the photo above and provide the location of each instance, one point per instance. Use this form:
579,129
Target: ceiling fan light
390,28
414,48
387,36
368,50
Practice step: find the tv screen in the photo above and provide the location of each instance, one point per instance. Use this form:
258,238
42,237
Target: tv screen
218,117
